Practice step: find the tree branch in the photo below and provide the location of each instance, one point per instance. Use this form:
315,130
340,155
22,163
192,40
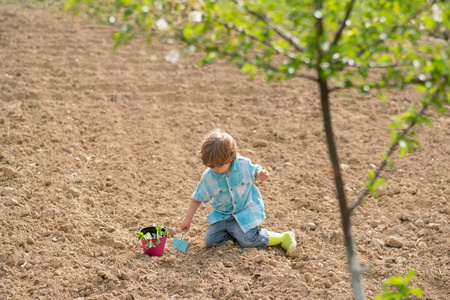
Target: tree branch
378,86
381,67
305,76
389,153
266,19
266,43
353,86
343,24
266,66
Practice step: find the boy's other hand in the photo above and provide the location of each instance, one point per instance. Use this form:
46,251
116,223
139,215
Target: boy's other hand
262,175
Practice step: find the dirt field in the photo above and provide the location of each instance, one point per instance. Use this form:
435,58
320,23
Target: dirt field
95,145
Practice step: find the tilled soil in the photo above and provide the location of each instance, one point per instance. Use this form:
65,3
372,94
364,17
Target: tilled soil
95,144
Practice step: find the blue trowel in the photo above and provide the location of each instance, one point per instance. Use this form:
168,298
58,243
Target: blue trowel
180,244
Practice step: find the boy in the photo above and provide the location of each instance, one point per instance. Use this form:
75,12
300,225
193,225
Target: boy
237,205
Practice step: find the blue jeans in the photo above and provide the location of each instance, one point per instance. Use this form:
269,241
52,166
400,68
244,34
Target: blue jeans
228,230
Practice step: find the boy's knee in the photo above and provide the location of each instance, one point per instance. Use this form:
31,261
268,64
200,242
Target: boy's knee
209,243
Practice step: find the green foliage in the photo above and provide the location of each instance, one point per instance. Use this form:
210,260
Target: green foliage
401,289
160,233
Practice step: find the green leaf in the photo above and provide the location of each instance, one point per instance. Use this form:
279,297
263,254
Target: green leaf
425,120
187,32
391,166
410,275
384,58
421,87
149,244
127,14
140,235
412,143
403,151
380,182
208,59
383,97
247,67
148,40
348,83
416,291
394,280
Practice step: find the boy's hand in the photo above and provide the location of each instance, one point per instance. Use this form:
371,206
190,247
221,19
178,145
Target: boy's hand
262,175
185,224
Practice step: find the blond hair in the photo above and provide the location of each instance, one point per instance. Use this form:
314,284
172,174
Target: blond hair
218,149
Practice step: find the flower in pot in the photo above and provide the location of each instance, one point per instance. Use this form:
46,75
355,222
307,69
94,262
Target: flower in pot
153,239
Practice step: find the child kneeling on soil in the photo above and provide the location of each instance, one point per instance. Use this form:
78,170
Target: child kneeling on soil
237,205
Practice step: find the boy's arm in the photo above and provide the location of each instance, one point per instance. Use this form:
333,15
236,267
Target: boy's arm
258,173
185,224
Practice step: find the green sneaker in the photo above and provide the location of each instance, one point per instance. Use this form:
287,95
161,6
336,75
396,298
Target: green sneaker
289,243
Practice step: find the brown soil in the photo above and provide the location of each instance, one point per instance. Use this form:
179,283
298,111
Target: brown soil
96,144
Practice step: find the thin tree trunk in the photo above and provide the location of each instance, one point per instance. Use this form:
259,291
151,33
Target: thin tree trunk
354,267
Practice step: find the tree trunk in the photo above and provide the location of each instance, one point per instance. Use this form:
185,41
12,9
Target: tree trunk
354,267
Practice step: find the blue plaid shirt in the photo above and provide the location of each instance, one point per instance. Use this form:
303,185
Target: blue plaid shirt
233,194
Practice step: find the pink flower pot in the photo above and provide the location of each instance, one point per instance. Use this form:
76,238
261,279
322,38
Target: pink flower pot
157,250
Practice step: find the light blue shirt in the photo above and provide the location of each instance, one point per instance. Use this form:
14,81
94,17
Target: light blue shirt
233,194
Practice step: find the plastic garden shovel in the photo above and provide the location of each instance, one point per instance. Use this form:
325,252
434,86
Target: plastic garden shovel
180,244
